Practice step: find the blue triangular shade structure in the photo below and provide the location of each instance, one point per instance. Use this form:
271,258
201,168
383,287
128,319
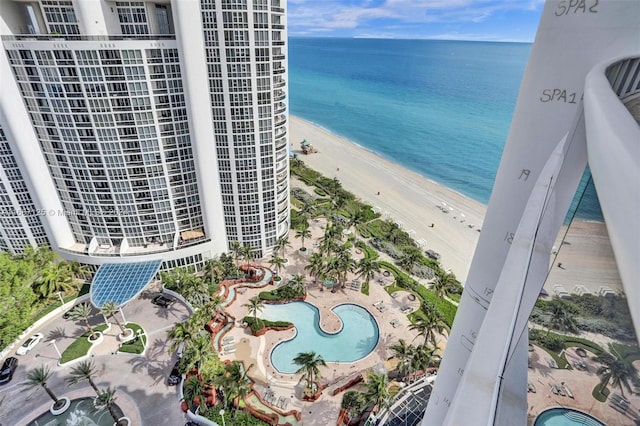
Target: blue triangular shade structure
121,282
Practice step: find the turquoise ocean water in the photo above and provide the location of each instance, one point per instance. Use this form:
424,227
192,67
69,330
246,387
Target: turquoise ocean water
439,108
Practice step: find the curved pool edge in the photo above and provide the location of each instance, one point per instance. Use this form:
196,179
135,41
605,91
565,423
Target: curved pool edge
574,410
371,317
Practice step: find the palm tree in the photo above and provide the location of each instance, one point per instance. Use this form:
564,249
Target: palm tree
377,393
197,351
316,266
183,332
303,233
214,270
106,400
560,318
109,309
55,277
247,252
344,263
79,270
367,269
39,376
403,352
440,288
85,370
410,257
307,210
423,357
309,363
357,217
254,306
196,291
616,371
235,249
234,382
429,326
281,245
82,312
297,283
277,262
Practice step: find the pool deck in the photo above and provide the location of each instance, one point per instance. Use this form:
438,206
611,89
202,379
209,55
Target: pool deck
580,383
256,350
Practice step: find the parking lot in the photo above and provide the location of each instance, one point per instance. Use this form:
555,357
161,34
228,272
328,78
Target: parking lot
141,381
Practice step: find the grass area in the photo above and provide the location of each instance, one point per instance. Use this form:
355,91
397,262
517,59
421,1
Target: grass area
80,347
585,344
365,288
626,352
562,363
137,345
600,393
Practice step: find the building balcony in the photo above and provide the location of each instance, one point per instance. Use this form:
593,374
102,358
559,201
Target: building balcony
280,82
280,120
283,197
279,108
279,95
76,37
277,9
281,143
281,166
280,70
280,132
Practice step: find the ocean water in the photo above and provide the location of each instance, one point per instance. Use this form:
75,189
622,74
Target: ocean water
440,108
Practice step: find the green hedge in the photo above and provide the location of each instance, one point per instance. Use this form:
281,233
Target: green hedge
258,324
284,292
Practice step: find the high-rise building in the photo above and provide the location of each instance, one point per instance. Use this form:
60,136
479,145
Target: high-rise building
578,105
143,130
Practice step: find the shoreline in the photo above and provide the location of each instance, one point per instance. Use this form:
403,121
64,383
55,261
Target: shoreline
454,234
455,217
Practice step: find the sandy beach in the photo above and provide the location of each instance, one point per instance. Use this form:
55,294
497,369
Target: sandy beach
417,202
406,197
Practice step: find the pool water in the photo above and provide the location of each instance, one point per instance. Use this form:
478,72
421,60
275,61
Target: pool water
566,417
79,413
357,338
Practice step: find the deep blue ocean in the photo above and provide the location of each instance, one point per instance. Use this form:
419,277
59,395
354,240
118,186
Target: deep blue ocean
440,108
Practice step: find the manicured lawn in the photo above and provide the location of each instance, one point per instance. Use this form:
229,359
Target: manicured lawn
135,346
80,347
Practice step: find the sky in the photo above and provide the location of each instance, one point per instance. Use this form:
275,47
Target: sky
481,20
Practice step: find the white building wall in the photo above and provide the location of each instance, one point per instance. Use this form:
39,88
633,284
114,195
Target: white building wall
572,38
189,38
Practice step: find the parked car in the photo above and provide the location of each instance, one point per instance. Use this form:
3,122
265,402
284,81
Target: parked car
30,344
175,377
8,368
162,301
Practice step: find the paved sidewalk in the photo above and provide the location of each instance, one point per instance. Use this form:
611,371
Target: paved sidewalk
140,380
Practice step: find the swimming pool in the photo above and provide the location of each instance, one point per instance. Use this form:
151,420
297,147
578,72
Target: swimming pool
357,338
566,417
80,412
